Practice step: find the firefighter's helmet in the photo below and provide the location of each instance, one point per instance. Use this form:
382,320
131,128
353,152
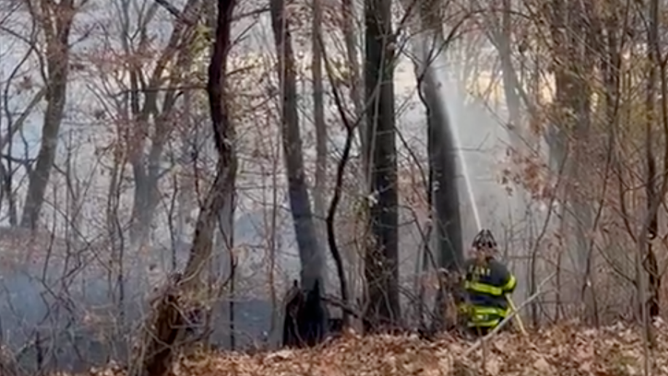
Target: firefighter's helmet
484,240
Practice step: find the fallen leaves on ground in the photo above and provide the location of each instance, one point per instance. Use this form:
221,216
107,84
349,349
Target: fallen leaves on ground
564,350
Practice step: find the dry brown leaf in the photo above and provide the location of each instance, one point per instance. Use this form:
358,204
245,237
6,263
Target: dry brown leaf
493,365
562,350
541,365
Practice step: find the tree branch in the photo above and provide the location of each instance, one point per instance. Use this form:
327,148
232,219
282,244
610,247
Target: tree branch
174,11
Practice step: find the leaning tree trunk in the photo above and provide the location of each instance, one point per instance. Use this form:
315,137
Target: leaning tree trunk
650,259
56,21
381,260
311,253
442,155
166,330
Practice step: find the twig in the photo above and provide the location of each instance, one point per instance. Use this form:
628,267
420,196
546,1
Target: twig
174,11
507,319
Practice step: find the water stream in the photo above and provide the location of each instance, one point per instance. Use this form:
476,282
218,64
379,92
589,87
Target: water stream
480,141
439,67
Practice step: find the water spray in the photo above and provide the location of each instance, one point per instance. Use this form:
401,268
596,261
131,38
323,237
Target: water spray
440,75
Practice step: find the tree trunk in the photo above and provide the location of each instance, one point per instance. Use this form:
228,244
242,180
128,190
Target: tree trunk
650,260
510,80
223,263
442,152
115,232
500,33
381,259
146,167
349,32
350,35
320,188
183,199
57,21
311,254
13,127
166,331
573,67
442,155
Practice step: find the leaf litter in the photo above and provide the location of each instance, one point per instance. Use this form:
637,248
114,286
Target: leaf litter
564,350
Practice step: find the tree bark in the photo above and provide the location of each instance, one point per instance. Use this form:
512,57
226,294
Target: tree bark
442,149
510,80
146,166
573,67
320,187
381,260
165,332
442,153
650,259
56,21
310,251
349,32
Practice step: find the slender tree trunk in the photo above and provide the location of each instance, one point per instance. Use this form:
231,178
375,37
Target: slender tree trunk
442,151
184,197
319,112
274,245
320,188
650,260
7,142
510,80
349,32
114,228
146,166
381,259
310,252
223,261
571,34
166,331
442,154
501,35
56,21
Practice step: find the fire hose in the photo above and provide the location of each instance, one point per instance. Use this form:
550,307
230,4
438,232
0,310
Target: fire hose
518,318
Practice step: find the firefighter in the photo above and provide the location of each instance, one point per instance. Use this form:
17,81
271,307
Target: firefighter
487,282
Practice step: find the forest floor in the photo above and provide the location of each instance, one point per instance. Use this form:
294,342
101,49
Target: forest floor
564,350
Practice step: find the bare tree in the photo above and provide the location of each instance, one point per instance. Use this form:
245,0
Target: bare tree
166,329
152,119
649,258
319,120
56,20
381,259
500,31
15,124
356,87
441,150
573,65
310,250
